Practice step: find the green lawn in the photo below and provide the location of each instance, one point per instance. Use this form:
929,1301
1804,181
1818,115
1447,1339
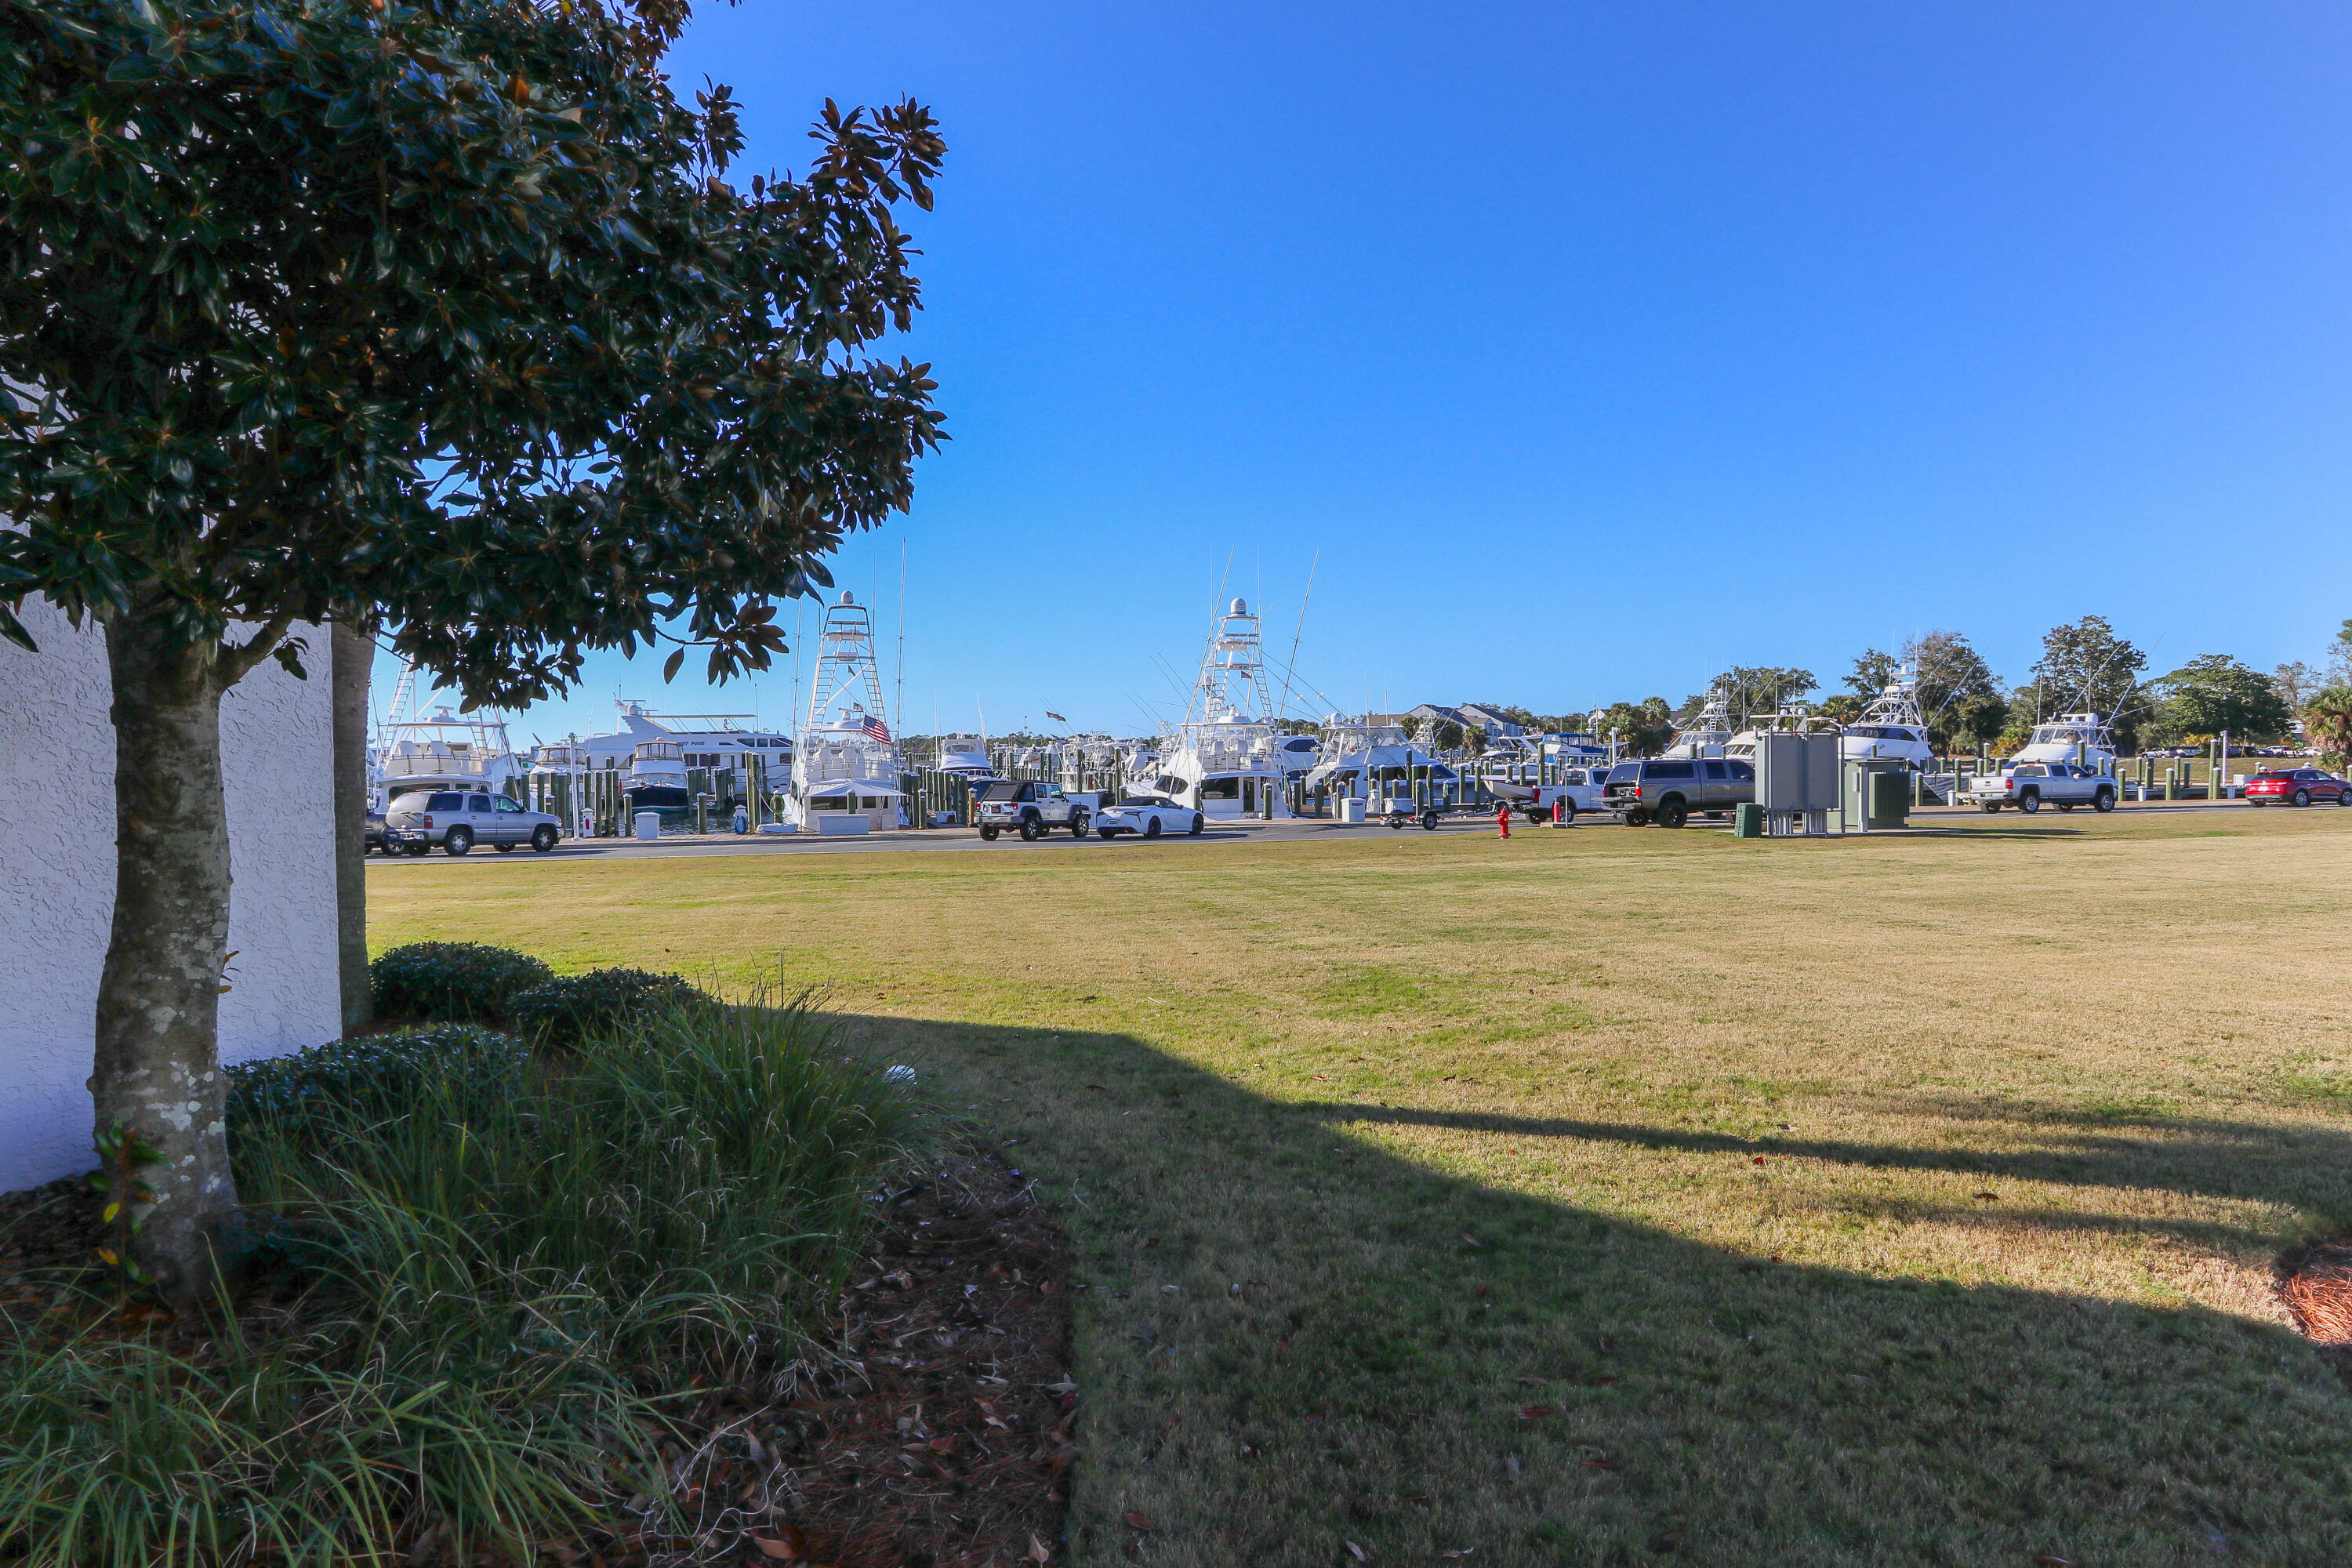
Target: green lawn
1617,1195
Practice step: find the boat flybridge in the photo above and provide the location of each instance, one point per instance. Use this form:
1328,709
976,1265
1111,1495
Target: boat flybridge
2071,738
1229,757
437,750
1706,735
847,766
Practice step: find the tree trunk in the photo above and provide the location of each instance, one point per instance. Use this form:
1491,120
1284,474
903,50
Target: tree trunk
157,1066
351,653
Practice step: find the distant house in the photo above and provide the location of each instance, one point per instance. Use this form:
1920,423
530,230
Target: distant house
1470,716
57,878
1491,721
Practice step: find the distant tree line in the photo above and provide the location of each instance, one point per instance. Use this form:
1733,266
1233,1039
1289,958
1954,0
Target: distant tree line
2085,666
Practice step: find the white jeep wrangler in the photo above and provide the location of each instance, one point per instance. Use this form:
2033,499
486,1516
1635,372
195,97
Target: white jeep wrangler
1030,807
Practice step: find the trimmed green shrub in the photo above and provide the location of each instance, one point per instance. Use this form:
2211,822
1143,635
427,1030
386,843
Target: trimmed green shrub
459,981
298,1098
560,1013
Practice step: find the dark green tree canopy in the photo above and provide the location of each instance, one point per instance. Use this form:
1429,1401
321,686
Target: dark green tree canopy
2214,692
1643,727
439,312
2086,668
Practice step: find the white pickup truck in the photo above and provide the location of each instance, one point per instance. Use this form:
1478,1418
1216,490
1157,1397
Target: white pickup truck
2029,786
1579,788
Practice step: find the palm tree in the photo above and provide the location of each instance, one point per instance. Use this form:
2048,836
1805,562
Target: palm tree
2328,718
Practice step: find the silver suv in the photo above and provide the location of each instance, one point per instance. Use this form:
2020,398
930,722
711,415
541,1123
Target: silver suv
1668,790
457,820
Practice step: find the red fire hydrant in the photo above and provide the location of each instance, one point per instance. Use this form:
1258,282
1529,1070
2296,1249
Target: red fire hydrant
1503,818
1558,810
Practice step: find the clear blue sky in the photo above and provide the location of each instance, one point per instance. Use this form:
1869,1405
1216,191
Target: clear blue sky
1595,347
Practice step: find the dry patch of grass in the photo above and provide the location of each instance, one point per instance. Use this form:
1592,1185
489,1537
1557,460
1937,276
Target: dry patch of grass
1611,1196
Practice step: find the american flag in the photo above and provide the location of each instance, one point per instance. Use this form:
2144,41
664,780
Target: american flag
872,724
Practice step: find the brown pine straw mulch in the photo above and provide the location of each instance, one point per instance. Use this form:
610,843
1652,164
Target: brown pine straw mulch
934,1433
2314,1282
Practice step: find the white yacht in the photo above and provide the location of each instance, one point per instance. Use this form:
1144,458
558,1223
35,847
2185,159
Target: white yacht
655,753
966,755
1792,717
846,765
1228,758
1891,726
2071,737
437,750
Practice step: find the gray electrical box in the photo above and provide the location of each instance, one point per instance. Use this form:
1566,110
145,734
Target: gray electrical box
1796,781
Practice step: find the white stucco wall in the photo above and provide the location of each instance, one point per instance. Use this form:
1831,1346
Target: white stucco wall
57,878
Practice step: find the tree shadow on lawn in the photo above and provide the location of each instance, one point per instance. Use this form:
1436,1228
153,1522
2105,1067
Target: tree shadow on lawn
2301,1167
1293,1340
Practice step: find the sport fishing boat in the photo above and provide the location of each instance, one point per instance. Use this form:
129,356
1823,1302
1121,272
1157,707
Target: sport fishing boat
1891,726
1228,758
2068,738
845,766
966,755
1705,735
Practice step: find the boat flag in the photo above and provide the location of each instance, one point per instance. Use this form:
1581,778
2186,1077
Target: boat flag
1056,718
872,724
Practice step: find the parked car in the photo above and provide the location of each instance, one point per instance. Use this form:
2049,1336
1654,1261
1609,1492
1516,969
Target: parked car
372,834
457,820
2029,786
1668,790
2298,786
1031,807
1147,816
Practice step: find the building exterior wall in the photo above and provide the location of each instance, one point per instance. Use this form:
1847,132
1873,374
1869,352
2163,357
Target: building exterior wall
56,878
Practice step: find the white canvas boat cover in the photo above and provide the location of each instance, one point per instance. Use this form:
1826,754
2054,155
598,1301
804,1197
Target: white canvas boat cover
1376,760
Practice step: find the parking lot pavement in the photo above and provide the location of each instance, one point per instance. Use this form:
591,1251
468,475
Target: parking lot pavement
932,840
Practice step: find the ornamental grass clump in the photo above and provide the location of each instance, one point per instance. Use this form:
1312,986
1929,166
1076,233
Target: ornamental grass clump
511,1277
456,981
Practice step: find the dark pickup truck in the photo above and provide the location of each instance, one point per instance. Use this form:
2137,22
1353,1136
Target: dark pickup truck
1668,790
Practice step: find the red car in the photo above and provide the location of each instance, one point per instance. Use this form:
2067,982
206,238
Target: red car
2298,786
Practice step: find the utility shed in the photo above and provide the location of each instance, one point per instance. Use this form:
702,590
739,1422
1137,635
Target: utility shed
56,878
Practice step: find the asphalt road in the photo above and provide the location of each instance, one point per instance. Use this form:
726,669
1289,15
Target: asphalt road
935,840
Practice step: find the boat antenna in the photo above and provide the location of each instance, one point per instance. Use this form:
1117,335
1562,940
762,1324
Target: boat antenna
1283,707
899,720
800,609
1216,610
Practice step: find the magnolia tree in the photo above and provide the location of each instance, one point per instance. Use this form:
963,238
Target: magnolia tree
437,318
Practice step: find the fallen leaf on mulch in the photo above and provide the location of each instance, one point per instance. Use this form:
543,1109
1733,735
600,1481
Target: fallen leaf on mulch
786,1545
1535,1412
1137,1522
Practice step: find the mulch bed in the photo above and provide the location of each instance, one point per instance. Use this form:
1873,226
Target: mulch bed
2314,1283
934,1433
